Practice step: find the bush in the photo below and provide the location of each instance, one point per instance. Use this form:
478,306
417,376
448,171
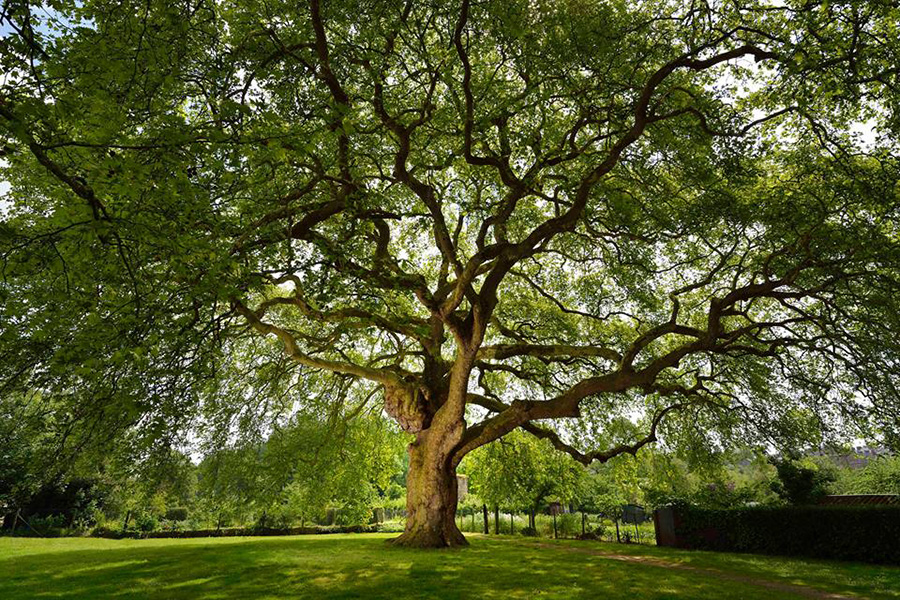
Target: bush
568,525
597,533
177,514
529,532
800,484
863,533
145,521
76,502
49,526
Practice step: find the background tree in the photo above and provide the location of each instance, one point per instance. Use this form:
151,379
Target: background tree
801,482
523,473
545,210
879,476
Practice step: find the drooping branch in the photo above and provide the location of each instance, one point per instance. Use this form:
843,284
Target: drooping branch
292,349
714,339
414,328
502,351
585,458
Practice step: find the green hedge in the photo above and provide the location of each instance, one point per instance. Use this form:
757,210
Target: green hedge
235,532
861,533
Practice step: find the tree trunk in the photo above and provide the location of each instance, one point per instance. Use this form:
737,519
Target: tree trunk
487,529
496,519
431,495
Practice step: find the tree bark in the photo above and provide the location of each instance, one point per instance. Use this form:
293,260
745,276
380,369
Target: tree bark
431,496
487,529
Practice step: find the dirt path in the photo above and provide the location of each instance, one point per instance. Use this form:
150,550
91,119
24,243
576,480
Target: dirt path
776,586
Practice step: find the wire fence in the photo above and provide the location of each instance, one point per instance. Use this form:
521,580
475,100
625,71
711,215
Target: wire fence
571,525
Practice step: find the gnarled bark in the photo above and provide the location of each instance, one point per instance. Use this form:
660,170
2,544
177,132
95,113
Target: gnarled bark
431,496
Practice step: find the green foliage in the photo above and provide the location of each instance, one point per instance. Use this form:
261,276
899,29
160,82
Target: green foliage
654,478
523,472
800,483
305,467
879,476
145,521
177,514
25,447
866,534
654,217
75,502
568,525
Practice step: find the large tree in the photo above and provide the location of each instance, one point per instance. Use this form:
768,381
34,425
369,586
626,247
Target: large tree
501,214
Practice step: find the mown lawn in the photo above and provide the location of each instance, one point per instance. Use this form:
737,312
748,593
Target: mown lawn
363,566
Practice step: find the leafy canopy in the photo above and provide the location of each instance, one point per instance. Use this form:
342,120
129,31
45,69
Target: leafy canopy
504,212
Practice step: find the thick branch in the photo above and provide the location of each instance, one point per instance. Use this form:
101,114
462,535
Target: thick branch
292,349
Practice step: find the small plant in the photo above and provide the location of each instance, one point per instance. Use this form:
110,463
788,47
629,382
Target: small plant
145,522
596,534
568,525
49,526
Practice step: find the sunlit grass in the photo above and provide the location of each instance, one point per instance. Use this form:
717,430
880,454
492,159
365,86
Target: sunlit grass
363,566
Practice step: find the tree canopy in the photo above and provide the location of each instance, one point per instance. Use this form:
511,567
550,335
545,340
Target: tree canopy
492,215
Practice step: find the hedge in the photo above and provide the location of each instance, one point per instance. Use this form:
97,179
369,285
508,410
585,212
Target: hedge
234,532
862,533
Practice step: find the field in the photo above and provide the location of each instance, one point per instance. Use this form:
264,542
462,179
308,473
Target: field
364,566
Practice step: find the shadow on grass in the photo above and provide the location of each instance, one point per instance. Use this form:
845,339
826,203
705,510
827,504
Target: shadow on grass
344,567
842,577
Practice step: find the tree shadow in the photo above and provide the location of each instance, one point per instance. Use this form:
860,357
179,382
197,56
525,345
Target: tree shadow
351,567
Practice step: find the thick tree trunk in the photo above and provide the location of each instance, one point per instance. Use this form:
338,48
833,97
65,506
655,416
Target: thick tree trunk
431,495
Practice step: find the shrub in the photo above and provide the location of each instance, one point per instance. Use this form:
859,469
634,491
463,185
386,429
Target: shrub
863,533
800,484
145,521
597,533
49,526
76,502
177,514
529,532
568,525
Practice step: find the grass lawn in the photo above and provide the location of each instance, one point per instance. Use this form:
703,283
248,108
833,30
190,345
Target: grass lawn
363,566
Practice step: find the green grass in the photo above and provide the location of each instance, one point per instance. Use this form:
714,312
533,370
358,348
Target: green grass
363,566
